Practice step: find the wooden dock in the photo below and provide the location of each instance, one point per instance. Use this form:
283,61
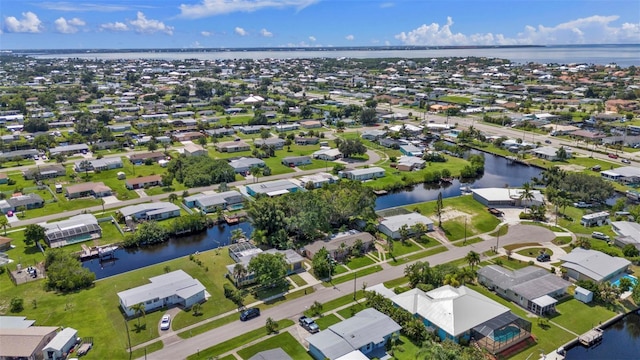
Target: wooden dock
97,251
591,338
380,192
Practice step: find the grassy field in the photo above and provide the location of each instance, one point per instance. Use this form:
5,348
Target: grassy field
339,302
402,248
358,262
350,276
297,279
512,264
326,321
580,317
284,341
352,310
99,304
534,252
418,255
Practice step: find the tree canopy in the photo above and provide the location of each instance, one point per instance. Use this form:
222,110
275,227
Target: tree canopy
268,268
195,171
65,272
579,186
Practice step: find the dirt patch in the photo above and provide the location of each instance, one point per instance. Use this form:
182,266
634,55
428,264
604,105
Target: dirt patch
571,167
451,213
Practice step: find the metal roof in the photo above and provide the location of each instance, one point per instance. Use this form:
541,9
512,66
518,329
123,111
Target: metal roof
61,339
594,264
174,283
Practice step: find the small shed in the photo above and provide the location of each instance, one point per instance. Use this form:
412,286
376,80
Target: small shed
583,295
61,344
121,175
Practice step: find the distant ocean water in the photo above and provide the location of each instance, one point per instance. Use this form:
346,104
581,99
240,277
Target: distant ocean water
623,55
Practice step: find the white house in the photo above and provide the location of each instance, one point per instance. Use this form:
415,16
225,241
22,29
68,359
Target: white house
363,174
595,219
151,211
506,197
176,288
583,264
551,153
59,346
391,225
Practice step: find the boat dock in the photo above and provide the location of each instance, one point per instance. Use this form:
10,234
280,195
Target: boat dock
590,338
101,252
380,192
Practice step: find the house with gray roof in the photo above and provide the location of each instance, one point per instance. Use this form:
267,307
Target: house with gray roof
151,211
209,203
363,174
95,189
244,164
367,331
587,264
550,153
624,174
44,172
176,288
277,143
462,313
242,253
61,344
75,229
628,233
391,225
272,188
98,164
273,354
25,343
296,160
68,149
533,288
29,201
506,197
334,244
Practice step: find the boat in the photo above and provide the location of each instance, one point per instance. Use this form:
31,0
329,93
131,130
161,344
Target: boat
465,189
446,179
633,195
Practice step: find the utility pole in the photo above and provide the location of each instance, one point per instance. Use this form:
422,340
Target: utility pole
355,277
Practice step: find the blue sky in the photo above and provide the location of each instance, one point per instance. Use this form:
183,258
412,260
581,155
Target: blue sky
29,24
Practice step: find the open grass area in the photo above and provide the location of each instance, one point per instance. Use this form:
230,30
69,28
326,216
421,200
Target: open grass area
352,310
204,327
502,231
393,177
520,245
284,341
580,317
402,248
418,255
297,279
479,220
572,222
350,276
155,346
339,302
456,99
236,342
84,309
326,321
396,282
358,262
466,242
512,264
562,240
534,252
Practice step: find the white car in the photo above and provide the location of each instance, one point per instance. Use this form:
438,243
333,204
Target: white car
165,323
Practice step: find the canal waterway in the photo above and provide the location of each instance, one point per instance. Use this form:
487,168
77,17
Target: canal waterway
620,341
498,172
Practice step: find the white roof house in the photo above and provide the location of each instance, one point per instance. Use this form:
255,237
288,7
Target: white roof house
391,225
60,344
625,174
628,233
174,288
583,264
60,233
506,197
155,210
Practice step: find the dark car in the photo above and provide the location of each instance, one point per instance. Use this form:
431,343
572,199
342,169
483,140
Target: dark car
249,314
309,324
543,257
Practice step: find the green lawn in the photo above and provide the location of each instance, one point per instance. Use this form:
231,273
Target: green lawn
534,252
396,282
358,262
510,263
155,346
204,327
352,310
326,321
236,342
418,255
504,229
284,341
336,303
463,242
297,279
562,240
580,317
402,248
350,276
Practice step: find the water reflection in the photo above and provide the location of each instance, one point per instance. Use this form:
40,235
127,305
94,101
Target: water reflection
620,341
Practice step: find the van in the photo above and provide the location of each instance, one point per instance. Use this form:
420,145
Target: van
600,236
249,314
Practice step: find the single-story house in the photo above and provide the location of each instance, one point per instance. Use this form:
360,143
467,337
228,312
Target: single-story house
220,132
334,245
373,134
533,288
29,201
188,136
318,179
4,178
272,188
272,354
628,233
286,127
174,288
493,197
327,154
391,225
550,153
583,264
191,149
363,174
624,174
311,140
277,143
69,149
151,211
209,203
367,331
390,143
243,164
25,343
243,252
61,344
462,313
5,243
25,154
252,129
143,182
296,160
410,163
95,189
75,229
44,172
139,159
232,146
595,219
311,124
98,164
410,150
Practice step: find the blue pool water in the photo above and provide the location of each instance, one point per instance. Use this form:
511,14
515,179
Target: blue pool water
634,280
506,334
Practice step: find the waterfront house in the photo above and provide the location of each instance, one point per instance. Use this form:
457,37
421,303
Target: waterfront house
391,225
497,197
209,203
587,264
410,163
550,153
595,219
76,229
334,244
624,175
363,174
243,252
176,288
151,211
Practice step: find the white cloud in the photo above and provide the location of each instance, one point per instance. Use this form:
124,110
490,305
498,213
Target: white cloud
208,8
81,7
28,24
205,33
349,37
149,26
240,31
266,33
590,30
387,5
196,44
65,26
114,26
312,38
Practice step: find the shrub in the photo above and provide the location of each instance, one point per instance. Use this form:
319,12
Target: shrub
17,305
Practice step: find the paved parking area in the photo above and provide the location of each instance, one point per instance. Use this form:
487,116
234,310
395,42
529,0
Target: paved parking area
526,233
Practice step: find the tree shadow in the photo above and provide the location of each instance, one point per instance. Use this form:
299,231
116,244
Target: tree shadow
139,327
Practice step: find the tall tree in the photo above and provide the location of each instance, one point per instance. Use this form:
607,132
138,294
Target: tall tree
269,268
321,264
33,233
473,259
139,311
4,223
439,208
527,193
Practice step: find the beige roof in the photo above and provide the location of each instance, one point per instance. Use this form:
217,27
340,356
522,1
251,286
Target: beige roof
96,187
24,342
144,179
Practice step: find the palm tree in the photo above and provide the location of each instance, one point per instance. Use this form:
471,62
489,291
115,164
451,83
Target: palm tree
583,242
452,280
527,193
138,310
237,234
473,259
255,171
4,223
239,272
173,197
404,233
197,309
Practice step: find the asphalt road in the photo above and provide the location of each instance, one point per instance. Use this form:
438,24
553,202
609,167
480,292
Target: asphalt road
178,348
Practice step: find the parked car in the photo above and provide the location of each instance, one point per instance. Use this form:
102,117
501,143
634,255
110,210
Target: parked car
547,141
165,323
249,314
309,324
600,236
544,257
626,161
613,156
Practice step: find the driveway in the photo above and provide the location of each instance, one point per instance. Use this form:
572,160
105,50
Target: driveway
526,234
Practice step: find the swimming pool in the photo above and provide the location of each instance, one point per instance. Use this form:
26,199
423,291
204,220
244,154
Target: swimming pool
634,280
506,333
